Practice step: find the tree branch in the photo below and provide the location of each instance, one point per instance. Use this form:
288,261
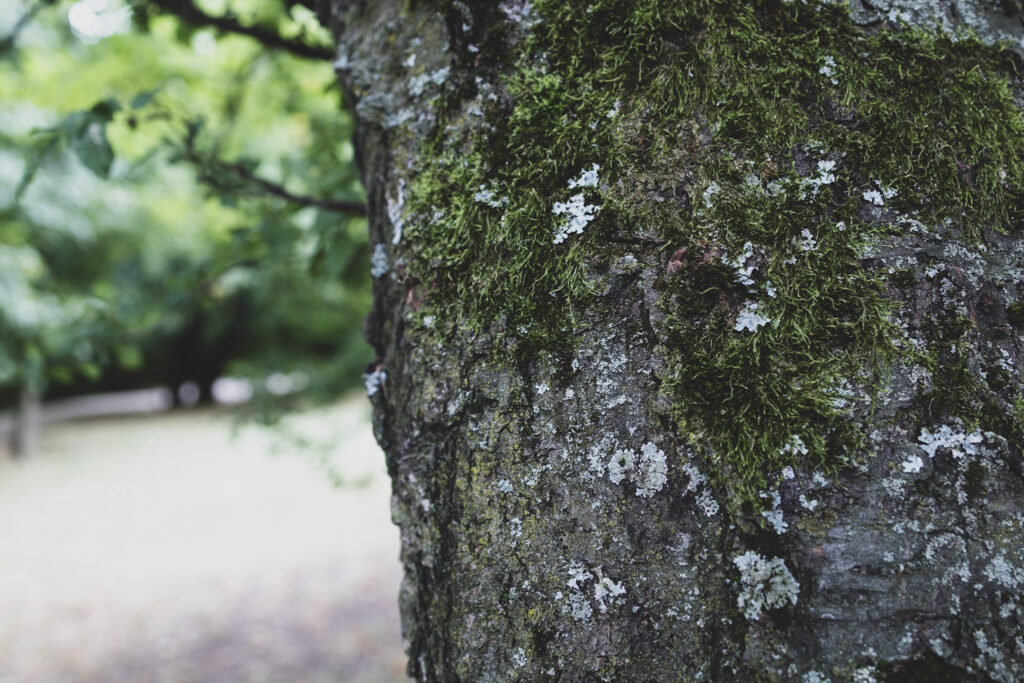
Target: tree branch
214,172
192,15
341,205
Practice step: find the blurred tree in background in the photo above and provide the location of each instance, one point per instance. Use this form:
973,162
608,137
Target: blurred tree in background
178,202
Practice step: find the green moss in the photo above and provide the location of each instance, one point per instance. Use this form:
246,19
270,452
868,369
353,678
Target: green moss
960,391
670,97
1015,314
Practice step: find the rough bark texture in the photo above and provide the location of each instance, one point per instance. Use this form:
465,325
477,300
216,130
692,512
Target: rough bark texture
567,511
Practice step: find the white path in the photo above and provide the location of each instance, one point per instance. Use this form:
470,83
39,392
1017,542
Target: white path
164,548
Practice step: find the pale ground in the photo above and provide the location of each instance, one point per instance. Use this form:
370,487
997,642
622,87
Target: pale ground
165,548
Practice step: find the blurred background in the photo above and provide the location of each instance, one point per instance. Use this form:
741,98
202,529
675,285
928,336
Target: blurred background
189,490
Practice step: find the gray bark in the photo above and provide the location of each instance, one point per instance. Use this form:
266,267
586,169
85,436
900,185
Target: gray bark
26,424
524,560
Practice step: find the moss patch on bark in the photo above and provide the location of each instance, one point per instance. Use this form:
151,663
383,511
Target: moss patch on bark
762,148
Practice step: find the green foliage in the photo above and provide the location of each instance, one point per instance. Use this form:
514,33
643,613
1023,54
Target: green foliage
87,134
139,159
708,120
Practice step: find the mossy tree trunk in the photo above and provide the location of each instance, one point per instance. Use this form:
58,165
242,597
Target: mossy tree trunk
700,334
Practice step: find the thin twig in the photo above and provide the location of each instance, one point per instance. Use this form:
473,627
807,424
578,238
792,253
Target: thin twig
193,16
342,205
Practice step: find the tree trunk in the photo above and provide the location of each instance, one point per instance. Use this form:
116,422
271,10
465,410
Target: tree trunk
699,334
26,423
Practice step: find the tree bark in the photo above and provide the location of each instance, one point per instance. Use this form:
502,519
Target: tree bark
26,423
606,488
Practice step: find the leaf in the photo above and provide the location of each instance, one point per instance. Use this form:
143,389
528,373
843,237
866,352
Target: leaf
93,149
87,134
105,109
91,371
129,357
62,374
144,98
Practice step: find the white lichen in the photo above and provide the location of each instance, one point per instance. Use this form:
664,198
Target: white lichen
621,465
489,197
651,471
913,464
958,442
807,241
844,394
373,381
707,503
764,584
750,319
865,674
607,591
813,676
808,504
874,197
648,469
578,606
587,178
396,207
739,264
774,516
1000,571
878,196
828,69
709,192
379,265
417,84
825,174
578,575
795,446
520,12
696,478
577,213
597,455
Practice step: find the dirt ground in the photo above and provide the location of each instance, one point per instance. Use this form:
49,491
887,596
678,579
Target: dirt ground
168,549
